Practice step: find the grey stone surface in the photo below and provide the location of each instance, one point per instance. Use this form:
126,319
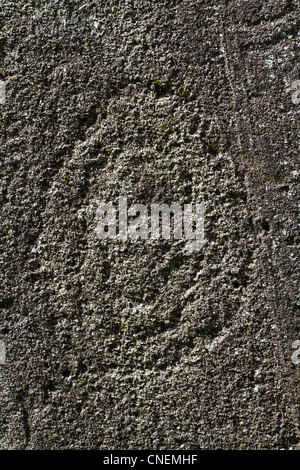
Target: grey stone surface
140,345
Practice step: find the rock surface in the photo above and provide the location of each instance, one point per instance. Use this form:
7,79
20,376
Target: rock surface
142,345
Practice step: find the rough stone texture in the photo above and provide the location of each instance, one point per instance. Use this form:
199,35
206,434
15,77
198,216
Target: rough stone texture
141,345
